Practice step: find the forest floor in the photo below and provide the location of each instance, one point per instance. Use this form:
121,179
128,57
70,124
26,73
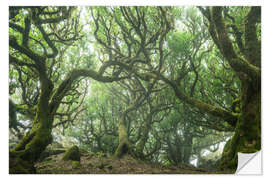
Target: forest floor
95,164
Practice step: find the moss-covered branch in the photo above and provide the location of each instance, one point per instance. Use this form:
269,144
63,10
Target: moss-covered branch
65,86
220,37
48,41
14,44
13,60
66,12
26,32
203,107
16,27
253,45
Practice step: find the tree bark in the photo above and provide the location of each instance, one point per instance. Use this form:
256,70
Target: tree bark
142,141
247,137
38,138
123,142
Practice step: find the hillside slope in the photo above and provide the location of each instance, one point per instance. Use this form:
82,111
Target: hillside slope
100,164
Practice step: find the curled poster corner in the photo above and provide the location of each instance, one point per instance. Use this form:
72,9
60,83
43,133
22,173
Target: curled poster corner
249,163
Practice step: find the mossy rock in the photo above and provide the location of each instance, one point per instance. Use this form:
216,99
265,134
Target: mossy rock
48,152
90,164
108,167
101,154
48,159
56,145
72,154
104,165
76,165
84,152
91,153
101,165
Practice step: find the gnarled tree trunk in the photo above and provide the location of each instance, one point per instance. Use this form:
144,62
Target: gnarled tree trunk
123,142
29,149
124,145
247,137
144,137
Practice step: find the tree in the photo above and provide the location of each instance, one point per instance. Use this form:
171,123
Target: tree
37,38
130,34
243,52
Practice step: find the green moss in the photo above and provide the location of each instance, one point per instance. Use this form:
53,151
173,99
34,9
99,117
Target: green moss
90,164
100,154
83,151
246,140
72,154
124,144
12,145
44,166
35,142
19,166
101,165
247,135
37,145
76,165
108,167
122,149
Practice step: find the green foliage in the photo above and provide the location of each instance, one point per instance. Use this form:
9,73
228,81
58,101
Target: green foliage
76,165
180,43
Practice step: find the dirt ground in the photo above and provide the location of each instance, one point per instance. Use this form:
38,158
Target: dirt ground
94,164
